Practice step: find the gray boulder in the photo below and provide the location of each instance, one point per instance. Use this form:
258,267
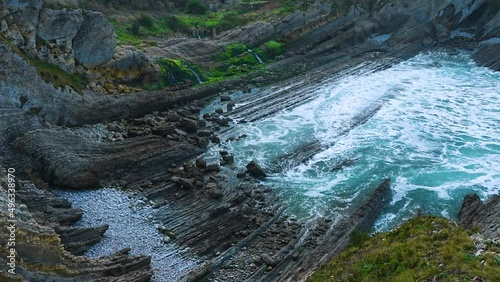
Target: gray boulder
128,57
58,24
95,43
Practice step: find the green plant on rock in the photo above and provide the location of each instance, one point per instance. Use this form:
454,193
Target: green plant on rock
273,48
175,72
146,21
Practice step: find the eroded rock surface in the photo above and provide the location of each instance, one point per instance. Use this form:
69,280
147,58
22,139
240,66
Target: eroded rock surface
484,215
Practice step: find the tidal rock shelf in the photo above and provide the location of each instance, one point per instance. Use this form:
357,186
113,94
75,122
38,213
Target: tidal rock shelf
130,226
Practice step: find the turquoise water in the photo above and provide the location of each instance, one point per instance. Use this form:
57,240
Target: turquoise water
437,137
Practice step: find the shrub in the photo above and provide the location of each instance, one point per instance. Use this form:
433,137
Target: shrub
146,21
195,7
175,24
273,48
229,21
135,28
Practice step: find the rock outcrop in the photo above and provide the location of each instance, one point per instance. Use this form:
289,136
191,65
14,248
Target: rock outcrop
58,36
485,216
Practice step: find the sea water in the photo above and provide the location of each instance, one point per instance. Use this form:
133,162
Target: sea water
436,136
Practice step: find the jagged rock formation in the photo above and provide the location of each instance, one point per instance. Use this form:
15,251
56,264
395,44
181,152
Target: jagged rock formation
485,216
39,253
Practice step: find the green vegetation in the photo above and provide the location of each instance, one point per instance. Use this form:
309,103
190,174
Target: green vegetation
49,72
135,31
273,48
426,248
236,60
175,72
57,76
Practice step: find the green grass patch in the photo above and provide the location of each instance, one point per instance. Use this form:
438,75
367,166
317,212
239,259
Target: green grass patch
50,72
426,248
57,76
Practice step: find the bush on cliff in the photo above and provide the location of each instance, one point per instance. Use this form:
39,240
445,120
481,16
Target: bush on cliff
423,249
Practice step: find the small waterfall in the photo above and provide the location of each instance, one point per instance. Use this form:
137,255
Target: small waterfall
198,77
256,56
198,34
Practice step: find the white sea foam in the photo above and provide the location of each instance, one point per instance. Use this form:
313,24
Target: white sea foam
436,136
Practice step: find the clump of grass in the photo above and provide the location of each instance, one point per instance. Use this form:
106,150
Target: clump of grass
57,76
50,72
426,248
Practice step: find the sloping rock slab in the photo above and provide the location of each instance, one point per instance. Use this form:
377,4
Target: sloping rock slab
69,160
488,56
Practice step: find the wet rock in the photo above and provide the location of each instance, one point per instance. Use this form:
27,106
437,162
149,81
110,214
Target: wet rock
225,98
241,174
219,111
227,159
190,125
201,163
488,56
184,182
180,132
212,168
215,139
255,170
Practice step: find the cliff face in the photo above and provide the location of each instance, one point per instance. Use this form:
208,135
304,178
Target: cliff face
62,37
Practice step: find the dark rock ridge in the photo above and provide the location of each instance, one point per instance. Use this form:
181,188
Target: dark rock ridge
40,255
485,216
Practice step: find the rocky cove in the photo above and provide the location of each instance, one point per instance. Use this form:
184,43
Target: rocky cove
180,156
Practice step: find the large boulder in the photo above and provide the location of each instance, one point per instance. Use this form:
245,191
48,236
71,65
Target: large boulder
95,42
255,170
59,24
